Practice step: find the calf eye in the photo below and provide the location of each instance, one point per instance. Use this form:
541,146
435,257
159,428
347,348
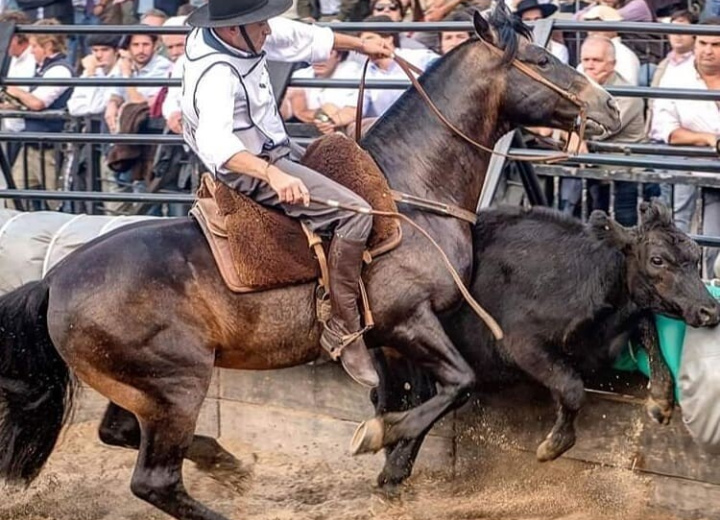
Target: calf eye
657,261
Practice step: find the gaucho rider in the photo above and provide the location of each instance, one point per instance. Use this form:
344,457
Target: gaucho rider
232,122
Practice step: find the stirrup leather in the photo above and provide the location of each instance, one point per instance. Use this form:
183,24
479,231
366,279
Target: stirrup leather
324,313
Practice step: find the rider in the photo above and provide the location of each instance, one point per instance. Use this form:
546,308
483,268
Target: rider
232,122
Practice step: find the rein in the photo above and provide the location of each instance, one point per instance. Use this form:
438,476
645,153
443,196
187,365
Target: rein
409,68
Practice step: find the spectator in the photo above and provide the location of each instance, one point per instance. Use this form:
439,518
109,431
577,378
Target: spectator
138,59
632,11
451,39
22,65
49,53
532,11
100,63
627,63
695,123
329,109
377,101
84,15
174,43
61,10
185,9
599,63
394,10
7,6
681,47
153,17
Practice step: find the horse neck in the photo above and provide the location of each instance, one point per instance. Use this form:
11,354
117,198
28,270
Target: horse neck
419,154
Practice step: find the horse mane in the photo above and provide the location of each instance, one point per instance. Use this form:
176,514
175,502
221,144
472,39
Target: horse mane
507,27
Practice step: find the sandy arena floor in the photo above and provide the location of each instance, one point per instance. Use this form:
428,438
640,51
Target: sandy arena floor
84,480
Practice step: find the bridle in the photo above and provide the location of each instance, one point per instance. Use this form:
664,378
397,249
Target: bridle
409,69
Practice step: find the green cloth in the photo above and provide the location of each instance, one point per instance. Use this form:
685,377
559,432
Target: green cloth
672,336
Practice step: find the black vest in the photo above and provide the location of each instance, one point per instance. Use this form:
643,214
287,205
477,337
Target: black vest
51,125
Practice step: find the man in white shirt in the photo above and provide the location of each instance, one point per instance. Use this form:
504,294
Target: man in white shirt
138,59
695,123
232,122
100,63
377,101
22,65
175,45
329,109
627,64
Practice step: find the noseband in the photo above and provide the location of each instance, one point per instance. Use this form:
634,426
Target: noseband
408,68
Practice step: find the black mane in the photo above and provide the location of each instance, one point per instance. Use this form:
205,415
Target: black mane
508,26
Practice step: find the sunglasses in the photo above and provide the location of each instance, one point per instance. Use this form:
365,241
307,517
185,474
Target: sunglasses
386,7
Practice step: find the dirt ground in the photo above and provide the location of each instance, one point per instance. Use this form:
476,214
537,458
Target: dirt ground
85,480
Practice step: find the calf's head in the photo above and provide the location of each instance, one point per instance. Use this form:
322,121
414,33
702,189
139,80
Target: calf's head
663,266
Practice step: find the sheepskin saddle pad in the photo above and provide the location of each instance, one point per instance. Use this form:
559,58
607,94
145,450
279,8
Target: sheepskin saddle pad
259,248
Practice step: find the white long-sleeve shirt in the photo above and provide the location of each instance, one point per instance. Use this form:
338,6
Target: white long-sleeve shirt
87,101
173,100
21,67
228,103
694,115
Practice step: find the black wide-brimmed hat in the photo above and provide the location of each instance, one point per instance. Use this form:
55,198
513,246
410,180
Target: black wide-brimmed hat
227,13
547,9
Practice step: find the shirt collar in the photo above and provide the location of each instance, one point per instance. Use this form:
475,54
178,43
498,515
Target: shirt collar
677,59
213,41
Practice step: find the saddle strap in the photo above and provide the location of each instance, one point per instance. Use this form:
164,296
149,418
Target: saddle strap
315,243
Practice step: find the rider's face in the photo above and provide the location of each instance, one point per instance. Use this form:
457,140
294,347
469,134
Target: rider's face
257,34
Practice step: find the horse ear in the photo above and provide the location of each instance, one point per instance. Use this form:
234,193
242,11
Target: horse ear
482,27
607,230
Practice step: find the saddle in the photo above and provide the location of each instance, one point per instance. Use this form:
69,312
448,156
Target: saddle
257,248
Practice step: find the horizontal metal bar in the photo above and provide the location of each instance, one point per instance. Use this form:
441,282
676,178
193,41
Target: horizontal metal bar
650,92
31,114
693,178
36,137
96,196
652,149
706,241
391,27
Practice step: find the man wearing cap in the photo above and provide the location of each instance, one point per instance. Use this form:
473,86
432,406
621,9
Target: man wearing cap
100,63
232,122
532,11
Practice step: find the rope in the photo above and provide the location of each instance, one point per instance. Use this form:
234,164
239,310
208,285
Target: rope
474,305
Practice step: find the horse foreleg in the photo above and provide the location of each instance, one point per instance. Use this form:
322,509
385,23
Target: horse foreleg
661,400
402,386
120,427
565,384
423,340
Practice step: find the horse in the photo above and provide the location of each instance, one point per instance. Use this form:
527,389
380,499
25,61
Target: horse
142,315
606,281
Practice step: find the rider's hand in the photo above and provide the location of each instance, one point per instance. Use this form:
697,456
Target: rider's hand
376,49
289,189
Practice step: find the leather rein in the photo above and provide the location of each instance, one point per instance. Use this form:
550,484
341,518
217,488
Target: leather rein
449,209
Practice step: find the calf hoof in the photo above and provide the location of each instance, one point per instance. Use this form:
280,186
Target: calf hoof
368,437
554,446
659,411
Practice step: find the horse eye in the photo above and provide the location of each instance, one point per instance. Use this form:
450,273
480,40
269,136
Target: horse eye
657,261
544,61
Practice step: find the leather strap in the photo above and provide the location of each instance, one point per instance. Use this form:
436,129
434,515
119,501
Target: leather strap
435,207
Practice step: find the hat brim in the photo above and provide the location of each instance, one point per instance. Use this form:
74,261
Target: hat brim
200,17
547,10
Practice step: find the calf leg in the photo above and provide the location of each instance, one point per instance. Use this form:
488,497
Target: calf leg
566,387
661,400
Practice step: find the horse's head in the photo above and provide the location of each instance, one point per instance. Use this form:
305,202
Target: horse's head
540,90
662,265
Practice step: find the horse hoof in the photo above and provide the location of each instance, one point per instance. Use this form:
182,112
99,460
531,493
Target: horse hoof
659,411
368,437
550,450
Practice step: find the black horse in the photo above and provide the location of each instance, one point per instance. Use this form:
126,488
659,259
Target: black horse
142,314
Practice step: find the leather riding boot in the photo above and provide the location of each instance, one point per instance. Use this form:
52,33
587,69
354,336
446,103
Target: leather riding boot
342,332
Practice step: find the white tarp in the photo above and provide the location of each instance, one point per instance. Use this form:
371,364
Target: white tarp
32,242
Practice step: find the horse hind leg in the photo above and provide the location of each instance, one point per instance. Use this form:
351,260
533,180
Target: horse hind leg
120,427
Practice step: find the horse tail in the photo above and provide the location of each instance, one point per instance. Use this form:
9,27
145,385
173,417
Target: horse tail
36,386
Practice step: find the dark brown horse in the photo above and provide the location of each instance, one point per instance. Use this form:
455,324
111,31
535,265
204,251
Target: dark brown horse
142,315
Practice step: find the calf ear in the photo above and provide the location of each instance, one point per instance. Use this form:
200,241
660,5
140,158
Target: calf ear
655,214
482,28
607,230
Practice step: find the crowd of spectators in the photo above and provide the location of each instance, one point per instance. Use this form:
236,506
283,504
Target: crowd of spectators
609,58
